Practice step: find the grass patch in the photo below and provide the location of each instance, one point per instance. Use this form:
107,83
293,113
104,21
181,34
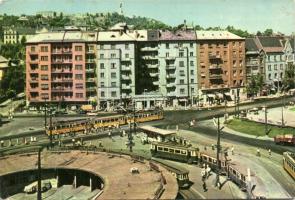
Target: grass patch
257,129
292,109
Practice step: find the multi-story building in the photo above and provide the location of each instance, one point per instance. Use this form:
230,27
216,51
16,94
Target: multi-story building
116,66
3,66
254,59
221,65
60,67
13,35
274,64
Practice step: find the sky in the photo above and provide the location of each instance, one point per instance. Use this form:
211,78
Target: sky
251,15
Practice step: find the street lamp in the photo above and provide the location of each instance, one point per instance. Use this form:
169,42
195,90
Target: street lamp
144,105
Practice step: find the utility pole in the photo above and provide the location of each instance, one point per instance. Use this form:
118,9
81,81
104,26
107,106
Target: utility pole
39,192
238,102
50,126
218,148
130,137
45,114
265,120
235,99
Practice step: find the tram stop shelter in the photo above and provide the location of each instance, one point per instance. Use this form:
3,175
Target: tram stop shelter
157,134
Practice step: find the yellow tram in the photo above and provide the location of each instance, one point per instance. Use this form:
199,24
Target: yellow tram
289,163
82,125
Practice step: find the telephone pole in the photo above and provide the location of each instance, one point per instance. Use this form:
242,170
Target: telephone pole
130,137
265,120
218,148
50,126
45,114
39,192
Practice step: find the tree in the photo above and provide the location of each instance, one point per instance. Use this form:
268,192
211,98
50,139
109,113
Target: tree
289,79
268,32
255,85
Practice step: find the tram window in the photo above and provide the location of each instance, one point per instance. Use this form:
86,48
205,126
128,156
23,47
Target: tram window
171,150
165,149
234,172
205,158
210,159
177,151
160,148
183,152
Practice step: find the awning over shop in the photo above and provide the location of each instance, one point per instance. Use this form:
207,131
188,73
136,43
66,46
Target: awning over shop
227,94
182,100
219,95
212,96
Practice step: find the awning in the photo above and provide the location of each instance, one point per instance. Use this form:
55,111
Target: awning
182,100
219,95
227,94
211,95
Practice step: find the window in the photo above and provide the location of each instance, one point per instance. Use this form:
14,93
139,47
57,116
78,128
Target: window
79,86
113,93
192,81
268,58
281,75
102,84
181,81
44,58
78,58
181,54
33,49
269,76
126,46
113,75
113,55
78,67
192,72
167,55
101,56
79,95
191,63
44,77
101,65
191,54
102,94
276,75
78,76
44,48
113,65
113,84
44,86
182,91
181,72
44,67
235,63
78,48
191,45
101,75
167,45
269,67
127,55
181,63
235,73
113,46
275,67
101,46
281,66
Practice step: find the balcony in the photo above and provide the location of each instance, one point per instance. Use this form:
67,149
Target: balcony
156,83
90,80
215,76
62,89
212,67
126,87
154,74
170,85
171,94
36,61
62,80
32,52
60,61
60,51
253,63
170,58
91,89
125,59
126,68
214,56
90,70
90,61
33,80
150,57
34,89
149,49
171,76
153,66
60,71
170,67
90,51
125,77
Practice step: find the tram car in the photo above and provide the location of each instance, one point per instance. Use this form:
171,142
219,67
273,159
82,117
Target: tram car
285,139
181,174
289,163
208,157
174,151
82,125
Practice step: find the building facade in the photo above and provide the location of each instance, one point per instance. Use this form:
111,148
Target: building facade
3,66
60,69
221,65
14,35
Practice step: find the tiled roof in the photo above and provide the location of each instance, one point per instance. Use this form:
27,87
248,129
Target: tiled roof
178,35
271,44
250,44
216,35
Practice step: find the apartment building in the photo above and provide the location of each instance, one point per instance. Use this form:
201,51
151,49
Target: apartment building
60,67
254,59
13,35
116,66
274,61
221,65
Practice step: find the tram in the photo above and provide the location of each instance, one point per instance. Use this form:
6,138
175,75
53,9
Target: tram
289,163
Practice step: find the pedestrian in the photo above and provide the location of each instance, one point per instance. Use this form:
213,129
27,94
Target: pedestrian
208,171
205,186
232,150
269,153
203,174
258,152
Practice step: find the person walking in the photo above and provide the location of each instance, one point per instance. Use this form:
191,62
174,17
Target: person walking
232,150
269,153
258,152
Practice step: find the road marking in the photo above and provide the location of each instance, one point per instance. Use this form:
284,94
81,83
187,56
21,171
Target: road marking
196,191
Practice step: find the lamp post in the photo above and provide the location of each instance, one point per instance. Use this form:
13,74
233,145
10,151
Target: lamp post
144,104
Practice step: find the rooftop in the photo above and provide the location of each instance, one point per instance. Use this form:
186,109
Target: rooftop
270,44
158,131
251,45
216,35
177,35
